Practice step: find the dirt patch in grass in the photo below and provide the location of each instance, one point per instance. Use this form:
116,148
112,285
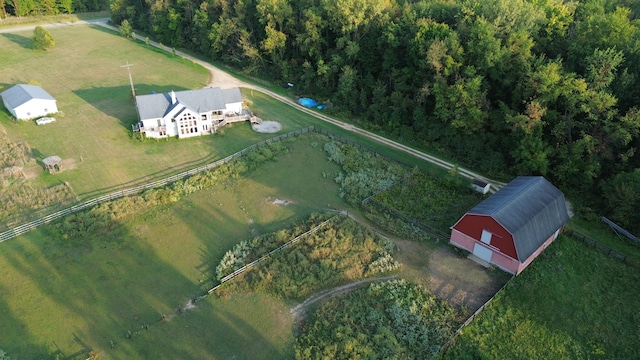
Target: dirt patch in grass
281,202
31,172
67,164
465,284
267,127
462,282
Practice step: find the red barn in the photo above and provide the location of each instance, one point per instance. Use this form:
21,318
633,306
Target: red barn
511,227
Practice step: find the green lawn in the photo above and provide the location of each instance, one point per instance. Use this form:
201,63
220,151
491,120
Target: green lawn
573,302
53,294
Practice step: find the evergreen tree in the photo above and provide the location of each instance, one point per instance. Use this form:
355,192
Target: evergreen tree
42,39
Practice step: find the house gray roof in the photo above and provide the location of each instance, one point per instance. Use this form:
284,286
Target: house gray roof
154,106
530,208
21,93
232,95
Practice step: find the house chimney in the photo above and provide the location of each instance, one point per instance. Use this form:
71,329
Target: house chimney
173,97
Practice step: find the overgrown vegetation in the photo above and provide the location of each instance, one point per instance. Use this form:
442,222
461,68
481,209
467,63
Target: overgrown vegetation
573,299
437,201
341,251
18,195
389,320
363,173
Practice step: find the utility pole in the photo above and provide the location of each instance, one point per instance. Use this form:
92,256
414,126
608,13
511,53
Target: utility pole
133,91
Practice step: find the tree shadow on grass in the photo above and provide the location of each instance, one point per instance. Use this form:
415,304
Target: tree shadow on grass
23,41
118,102
111,290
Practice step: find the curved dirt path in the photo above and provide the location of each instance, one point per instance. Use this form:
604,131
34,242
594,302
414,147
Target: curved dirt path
299,310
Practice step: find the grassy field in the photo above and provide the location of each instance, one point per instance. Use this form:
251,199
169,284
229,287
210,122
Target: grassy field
573,302
57,296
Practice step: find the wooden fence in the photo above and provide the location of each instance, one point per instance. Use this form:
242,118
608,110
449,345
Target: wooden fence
474,315
19,230
603,248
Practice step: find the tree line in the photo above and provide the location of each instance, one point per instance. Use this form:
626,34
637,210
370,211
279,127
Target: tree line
49,7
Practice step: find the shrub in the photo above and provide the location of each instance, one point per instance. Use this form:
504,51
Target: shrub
393,319
363,173
42,39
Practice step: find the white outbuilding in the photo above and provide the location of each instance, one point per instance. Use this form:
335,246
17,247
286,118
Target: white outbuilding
28,101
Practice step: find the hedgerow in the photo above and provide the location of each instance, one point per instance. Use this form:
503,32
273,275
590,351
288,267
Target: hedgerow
388,320
103,218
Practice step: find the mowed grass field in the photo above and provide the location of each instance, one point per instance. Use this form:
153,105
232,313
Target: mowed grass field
78,297
84,73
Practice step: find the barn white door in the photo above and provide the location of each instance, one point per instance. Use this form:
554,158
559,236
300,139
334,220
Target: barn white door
482,252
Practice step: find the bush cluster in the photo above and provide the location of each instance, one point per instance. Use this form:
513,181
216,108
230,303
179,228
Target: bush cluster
339,252
388,320
363,173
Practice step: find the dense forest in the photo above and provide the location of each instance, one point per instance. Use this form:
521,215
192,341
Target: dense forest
506,87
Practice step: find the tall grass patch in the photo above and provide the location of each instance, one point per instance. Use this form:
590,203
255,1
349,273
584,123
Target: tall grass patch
389,320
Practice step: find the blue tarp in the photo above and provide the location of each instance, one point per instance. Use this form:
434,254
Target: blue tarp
307,102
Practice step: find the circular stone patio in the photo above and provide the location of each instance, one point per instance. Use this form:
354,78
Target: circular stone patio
267,127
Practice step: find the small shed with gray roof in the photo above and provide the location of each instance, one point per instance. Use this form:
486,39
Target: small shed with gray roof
513,226
26,102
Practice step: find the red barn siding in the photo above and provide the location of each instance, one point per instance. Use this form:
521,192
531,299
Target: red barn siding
506,263
472,225
461,240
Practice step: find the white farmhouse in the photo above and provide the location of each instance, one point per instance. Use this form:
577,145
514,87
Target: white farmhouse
188,113
28,101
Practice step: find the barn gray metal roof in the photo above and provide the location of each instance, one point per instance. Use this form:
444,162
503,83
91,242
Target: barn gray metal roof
153,106
530,208
21,93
